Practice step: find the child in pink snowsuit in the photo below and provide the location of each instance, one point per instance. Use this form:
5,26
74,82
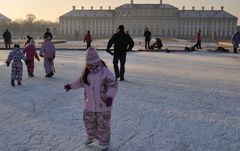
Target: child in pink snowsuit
48,52
100,87
31,52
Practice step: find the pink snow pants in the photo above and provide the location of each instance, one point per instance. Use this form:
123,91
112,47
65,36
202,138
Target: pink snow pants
48,65
98,126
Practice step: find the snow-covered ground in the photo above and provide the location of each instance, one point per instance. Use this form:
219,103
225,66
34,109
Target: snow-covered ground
169,102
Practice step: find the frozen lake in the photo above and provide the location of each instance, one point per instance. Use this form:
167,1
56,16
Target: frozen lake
169,102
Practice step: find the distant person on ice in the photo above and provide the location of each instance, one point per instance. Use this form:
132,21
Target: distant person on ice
48,52
236,41
100,88
48,34
147,35
157,44
122,43
16,55
7,38
198,39
31,52
88,39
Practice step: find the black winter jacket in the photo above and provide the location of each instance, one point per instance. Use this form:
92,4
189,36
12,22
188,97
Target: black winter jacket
122,42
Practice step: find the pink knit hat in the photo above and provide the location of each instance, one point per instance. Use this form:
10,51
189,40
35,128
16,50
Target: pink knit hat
92,56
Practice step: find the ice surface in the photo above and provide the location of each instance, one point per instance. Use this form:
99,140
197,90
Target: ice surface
169,102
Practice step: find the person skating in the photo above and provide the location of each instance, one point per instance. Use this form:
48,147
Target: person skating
88,39
236,41
7,38
122,43
147,35
100,88
198,39
15,56
31,53
48,52
48,35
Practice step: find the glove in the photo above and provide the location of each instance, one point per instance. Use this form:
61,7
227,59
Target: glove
109,52
108,101
67,87
53,57
7,63
26,62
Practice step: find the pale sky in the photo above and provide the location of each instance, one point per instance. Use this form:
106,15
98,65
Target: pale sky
52,9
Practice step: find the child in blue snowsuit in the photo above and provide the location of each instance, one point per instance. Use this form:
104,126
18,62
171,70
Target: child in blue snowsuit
16,55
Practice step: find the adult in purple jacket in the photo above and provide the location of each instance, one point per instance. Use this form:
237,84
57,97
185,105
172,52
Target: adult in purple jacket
48,52
100,88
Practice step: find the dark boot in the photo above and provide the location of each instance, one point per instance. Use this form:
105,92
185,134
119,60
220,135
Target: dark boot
12,83
19,83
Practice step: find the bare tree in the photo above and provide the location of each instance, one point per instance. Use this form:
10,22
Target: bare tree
30,18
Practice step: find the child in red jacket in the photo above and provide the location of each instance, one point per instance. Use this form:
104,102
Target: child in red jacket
31,52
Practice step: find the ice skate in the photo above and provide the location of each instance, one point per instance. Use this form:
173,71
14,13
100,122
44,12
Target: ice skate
12,83
89,141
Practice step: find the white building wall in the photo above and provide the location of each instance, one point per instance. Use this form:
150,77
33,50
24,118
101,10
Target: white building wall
160,21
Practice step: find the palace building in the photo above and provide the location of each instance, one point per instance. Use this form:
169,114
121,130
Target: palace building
4,20
163,20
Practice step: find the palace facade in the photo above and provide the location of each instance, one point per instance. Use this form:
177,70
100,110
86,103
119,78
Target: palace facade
4,20
162,20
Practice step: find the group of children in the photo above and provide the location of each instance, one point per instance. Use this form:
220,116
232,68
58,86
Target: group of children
99,83
28,54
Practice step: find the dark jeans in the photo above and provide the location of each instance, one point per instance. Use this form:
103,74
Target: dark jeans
7,44
122,59
198,45
235,50
88,44
147,43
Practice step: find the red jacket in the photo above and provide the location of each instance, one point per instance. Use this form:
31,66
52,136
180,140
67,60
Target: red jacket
31,52
198,36
88,37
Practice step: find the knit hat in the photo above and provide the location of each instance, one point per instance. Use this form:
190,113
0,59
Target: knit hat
121,28
92,56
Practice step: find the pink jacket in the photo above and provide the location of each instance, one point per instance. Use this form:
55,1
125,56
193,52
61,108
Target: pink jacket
102,85
47,49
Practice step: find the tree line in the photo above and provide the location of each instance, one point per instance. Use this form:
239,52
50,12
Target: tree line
19,28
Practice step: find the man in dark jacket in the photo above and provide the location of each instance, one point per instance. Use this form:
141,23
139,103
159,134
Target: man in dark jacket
47,34
122,44
147,35
7,38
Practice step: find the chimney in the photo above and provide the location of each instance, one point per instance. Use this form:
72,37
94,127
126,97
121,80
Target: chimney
193,8
74,7
202,8
100,7
82,7
131,1
183,8
212,8
222,7
109,7
91,7
160,2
